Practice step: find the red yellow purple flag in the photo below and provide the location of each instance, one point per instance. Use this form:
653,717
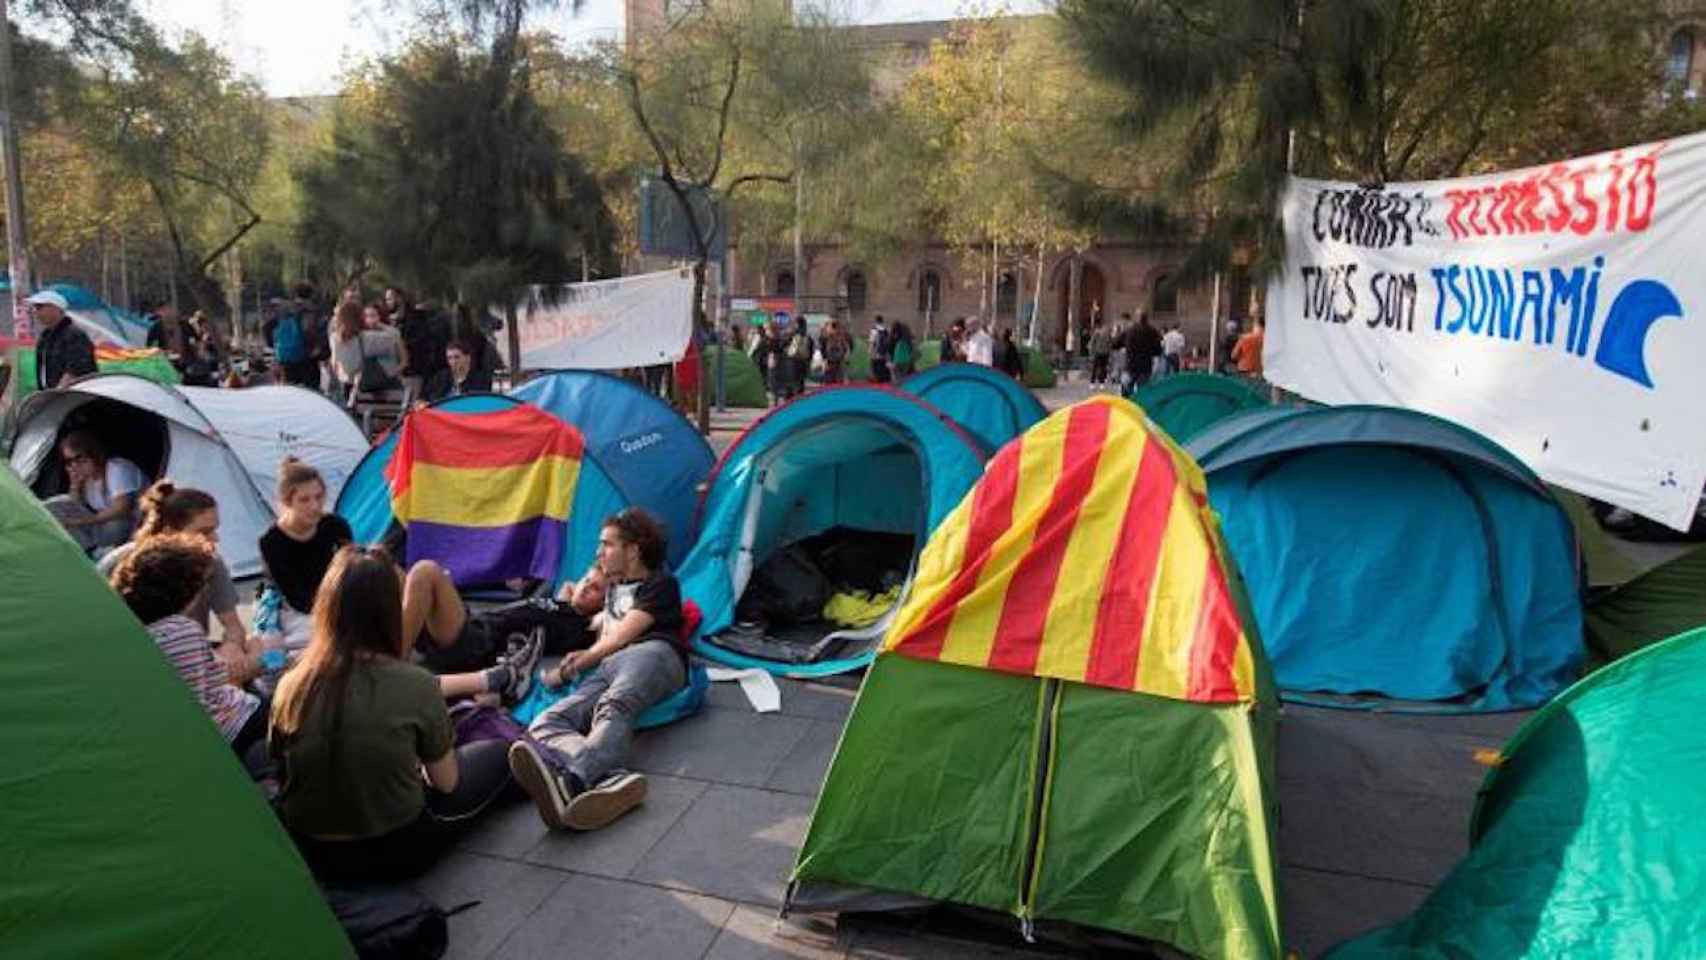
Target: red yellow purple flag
486,494
1087,552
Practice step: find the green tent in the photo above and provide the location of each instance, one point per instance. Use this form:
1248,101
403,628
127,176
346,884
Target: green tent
1185,404
743,382
1587,840
1663,602
1038,372
1607,566
127,826
1028,746
149,364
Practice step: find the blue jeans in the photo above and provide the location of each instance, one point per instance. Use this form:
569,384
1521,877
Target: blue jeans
587,734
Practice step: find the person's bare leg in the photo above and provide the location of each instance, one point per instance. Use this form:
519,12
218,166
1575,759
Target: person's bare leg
430,602
455,686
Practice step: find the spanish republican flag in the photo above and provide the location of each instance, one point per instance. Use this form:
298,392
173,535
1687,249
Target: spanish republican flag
1088,553
486,494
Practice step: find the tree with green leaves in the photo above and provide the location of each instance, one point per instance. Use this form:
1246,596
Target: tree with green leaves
1225,98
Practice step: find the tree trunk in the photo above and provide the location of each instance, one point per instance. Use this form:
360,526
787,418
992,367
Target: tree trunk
799,237
1072,302
17,234
124,271
512,327
1037,299
699,269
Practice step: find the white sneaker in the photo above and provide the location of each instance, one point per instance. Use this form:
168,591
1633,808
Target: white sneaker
599,806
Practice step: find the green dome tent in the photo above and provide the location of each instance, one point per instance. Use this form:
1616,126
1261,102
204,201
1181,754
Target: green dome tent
1186,404
127,826
743,382
1663,602
1587,839
1070,721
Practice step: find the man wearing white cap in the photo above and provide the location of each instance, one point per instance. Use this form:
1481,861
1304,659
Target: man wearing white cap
63,352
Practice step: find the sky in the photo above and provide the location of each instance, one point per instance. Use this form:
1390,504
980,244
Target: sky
299,47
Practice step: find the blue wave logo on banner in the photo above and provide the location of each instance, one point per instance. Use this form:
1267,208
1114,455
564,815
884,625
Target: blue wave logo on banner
1622,347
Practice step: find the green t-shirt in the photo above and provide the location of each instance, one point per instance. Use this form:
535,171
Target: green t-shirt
368,782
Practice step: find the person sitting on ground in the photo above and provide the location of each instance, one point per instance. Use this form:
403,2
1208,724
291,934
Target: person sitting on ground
167,510
373,786
99,511
297,549
160,579
458,376
529,628
571,764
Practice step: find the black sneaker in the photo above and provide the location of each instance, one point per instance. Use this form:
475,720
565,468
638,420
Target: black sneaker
550,795
521,662
599,806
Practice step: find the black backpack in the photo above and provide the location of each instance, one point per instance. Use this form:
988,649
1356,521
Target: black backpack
787,588
391,923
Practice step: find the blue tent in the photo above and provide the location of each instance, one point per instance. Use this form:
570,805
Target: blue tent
1391,553
639,452
103,322
853,461
991,406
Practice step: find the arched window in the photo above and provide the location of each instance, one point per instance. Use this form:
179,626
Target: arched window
929,292
1006,295
855,291
1679,65
784,283
1166,295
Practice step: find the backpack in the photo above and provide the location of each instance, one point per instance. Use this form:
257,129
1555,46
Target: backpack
289,344
800,348
390,923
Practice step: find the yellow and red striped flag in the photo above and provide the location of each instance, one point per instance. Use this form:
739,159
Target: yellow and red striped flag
1087,552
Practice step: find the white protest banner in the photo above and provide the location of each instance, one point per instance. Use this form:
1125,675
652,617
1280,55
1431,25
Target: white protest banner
1557,310
608,324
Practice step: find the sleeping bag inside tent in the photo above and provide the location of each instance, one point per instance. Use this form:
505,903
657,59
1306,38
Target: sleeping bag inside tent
1070,721
629,449
228,443
812,522
1186,404
1394,554
985,402
1587,839
127,826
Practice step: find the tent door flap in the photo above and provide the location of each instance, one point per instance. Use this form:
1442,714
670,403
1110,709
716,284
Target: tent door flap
1042,777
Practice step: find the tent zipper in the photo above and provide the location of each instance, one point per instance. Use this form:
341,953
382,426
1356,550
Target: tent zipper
1042,775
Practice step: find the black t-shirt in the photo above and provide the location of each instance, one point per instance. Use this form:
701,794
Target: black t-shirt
297,567
658,595
60,350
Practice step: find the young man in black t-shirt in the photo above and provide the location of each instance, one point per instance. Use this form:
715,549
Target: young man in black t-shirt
573,765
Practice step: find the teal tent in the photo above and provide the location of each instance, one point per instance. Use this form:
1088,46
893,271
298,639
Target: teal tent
127,826
1587,839
1391,553
986,403
1186,404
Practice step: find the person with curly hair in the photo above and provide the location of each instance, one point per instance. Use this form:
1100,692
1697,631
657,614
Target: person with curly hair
158,579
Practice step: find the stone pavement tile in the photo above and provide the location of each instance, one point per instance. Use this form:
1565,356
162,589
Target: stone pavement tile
1404,837
617,849
803,769
508,830
828,699
734,842
507,892
724,746
754,934
1377,751
596,917
871,942
1320,910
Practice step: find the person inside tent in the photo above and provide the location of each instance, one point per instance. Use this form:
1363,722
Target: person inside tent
373,785
458,376
296,551
571,763
160,579
169,510
100,509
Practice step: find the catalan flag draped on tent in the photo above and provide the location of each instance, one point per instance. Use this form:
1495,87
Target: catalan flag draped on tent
1072,720
1145,605
486,494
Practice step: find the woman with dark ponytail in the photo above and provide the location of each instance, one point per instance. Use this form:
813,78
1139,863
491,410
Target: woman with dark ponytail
166,509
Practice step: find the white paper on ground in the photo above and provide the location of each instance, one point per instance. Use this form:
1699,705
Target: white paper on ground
758,685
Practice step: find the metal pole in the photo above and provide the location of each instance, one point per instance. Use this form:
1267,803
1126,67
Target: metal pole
1214,325
17,234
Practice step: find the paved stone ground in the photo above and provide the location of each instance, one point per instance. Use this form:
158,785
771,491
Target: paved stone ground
1374,812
